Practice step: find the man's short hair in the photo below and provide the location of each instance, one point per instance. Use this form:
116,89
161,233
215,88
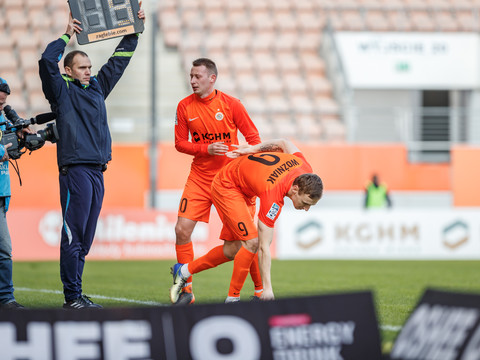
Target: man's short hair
209,64
310,184
68,61
4,86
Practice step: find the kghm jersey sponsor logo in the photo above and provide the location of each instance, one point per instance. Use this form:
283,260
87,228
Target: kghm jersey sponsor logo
211,137
282,169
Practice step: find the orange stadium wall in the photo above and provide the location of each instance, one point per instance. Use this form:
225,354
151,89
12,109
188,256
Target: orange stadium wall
465,176
342,167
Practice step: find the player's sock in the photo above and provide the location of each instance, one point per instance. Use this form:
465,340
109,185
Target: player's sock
241,267
256,277
184,256
210,260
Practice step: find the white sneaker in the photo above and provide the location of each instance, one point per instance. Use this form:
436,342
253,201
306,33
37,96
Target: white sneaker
231,299
178,282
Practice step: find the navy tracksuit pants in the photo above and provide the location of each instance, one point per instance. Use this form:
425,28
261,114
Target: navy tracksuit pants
81,196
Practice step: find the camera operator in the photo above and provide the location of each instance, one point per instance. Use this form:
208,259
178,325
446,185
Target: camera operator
84,146
7,300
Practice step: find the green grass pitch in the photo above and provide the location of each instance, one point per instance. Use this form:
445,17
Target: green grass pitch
396,285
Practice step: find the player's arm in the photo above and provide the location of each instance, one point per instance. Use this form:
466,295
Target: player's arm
182,143
245,124
265,237
276,145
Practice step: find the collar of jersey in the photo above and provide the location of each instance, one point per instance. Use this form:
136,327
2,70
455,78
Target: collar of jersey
208,98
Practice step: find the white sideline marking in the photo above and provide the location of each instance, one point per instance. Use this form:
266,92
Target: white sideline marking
153,303
390,327
58,292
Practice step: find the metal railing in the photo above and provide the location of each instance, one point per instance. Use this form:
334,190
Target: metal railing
428,132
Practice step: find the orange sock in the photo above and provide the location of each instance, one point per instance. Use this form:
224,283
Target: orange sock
210,260
241,266
185,256
256,277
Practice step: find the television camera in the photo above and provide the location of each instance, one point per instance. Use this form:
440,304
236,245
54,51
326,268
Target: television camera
29,141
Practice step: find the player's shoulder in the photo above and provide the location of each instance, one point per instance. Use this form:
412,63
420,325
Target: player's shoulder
227,98
187,100
297,155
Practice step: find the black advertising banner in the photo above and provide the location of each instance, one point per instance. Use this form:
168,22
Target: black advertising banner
340,326
444,325
105,19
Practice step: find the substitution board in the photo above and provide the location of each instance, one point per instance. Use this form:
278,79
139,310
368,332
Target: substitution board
105,19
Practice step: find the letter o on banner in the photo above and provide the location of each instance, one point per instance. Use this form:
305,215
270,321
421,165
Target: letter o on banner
206,333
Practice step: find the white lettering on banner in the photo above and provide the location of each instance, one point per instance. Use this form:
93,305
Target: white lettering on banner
206,333
76,340
127,339
366,232
116,229
36,347
331,333
473,347
312,340
72,340
323,353
434,332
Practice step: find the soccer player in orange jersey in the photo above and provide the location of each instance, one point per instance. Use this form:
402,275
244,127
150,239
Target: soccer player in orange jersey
212,119
272,171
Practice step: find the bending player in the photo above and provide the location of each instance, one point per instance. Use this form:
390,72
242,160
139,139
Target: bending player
279,171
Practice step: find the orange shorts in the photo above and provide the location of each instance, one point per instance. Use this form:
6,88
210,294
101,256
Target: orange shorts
196,201
236,211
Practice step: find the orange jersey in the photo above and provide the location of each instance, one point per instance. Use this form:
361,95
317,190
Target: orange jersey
215,118
266,175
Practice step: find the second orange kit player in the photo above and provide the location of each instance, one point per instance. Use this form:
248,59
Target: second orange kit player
206,126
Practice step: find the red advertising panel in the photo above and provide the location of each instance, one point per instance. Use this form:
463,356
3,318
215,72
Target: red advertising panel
124,234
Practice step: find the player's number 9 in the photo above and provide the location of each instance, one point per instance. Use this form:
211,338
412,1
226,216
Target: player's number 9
243,228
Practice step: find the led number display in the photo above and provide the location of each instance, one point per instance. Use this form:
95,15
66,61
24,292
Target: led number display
105,19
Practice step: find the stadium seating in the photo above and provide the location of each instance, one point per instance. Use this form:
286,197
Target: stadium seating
267,51
27,27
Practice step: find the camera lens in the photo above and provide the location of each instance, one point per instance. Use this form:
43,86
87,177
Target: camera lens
50,133
11,114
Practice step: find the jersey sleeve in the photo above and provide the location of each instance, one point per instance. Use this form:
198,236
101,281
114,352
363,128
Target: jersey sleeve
270,209
245,124
182,144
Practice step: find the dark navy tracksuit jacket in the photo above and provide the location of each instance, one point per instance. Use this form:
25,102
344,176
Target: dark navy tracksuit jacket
84,147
